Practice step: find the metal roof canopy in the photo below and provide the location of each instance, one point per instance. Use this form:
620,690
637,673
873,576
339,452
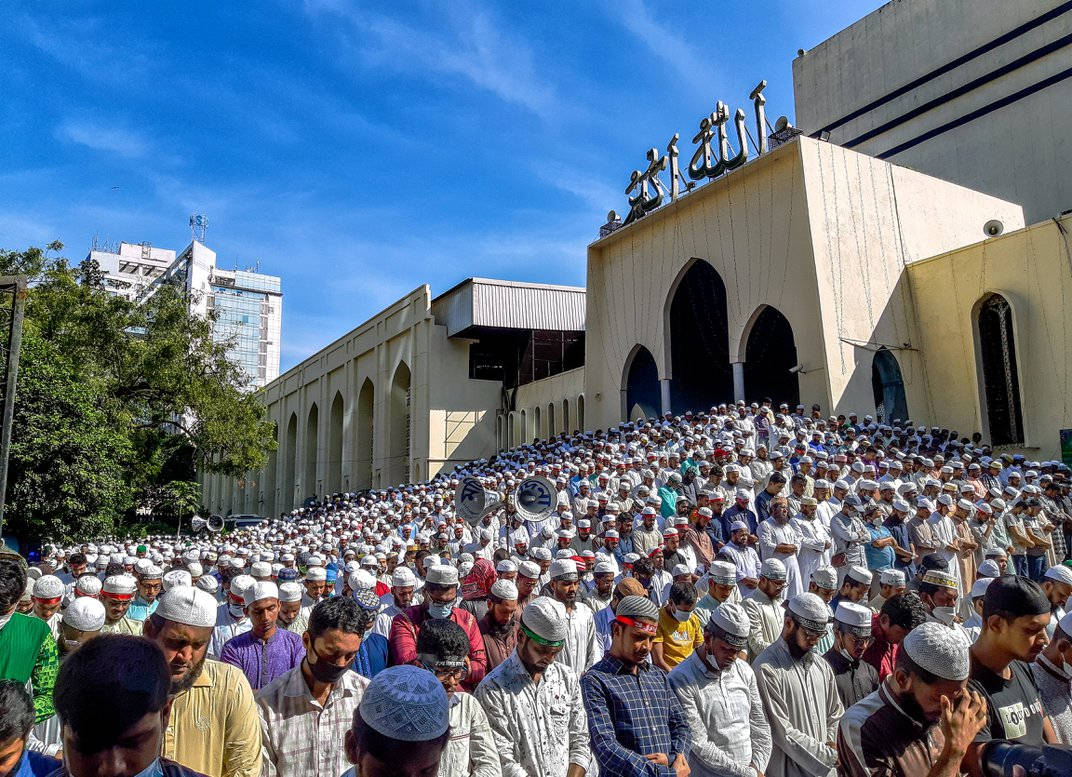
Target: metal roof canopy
484,302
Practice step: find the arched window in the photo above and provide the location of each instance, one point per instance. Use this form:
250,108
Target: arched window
1000,378
887,384
580,412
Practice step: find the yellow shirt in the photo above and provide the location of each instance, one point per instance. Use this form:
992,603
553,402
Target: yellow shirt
123,626
214,727
679,638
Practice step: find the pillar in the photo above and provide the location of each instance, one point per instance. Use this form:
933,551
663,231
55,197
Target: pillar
664,393
738,381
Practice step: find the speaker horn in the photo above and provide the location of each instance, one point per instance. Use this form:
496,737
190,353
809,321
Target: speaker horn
472,501
534,498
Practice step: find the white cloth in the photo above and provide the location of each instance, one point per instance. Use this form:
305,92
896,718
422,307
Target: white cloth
814,552
471,748
771,535
540,729
730,733
767,618
224,632
583,648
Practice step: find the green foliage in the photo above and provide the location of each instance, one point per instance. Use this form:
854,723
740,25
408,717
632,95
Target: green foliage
119,404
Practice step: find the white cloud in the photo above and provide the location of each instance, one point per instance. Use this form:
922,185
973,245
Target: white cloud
664,42
106,138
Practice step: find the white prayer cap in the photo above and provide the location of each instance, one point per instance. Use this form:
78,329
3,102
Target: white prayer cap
856,616
722,572
529,569
680,569
546,618
361,580
48,587
403,577
743,494
27,592
195,569
564,568
732,619
504,590
208,583
290,591
189,606
1060,574
261,569
88,585
990,569
431,561
894,577
262,589
177,578
860,574
979,586
239,584
442,574
406,703
505,566
773,569
938,649
316,574
85,614
604,568
809,610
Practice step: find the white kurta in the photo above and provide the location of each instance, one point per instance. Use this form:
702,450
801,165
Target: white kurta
582,648
767,618
773,534
471,749
816,546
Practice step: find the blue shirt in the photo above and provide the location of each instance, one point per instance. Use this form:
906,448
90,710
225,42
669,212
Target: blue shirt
878,558
633,715
139,610
371,658
35,765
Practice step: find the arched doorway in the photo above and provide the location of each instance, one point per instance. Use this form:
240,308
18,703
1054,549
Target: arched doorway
551,430
268,499
1000,377
641,385
362,453
290,464
511,429
888,387
580,412
312,446
537,423
565,416
699,341
770,355
523,437
333,470
399,427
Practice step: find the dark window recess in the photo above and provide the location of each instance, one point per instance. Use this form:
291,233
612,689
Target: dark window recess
519,356
1001,383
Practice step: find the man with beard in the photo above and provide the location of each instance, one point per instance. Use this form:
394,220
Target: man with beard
528,578
582,648
922,719
290,618
1053,675
764,606
799,694
854,678
721,587
1057,584
213,725
604,587
498,626
306,712
534,702
720,699
403,585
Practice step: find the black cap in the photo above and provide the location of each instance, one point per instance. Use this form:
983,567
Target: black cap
1017,596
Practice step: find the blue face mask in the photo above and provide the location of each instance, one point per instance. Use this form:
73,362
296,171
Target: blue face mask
437,610
682,615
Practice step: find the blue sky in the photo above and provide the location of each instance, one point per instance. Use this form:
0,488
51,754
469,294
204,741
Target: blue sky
359,150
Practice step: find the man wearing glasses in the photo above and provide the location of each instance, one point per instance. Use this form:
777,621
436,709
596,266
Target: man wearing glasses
853,677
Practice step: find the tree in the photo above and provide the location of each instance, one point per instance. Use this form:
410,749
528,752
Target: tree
149,399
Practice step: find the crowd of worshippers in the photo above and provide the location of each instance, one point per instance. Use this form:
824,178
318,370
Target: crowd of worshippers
741,592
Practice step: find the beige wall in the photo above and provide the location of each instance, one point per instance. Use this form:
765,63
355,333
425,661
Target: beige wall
1031,269
560,396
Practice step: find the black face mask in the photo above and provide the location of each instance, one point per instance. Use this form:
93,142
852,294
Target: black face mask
323,672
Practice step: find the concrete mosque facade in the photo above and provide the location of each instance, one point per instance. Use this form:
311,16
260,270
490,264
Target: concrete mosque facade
810,272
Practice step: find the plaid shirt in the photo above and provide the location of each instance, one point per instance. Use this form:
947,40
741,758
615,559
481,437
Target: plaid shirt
633,715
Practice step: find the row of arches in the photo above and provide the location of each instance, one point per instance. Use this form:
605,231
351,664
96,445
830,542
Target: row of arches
522,426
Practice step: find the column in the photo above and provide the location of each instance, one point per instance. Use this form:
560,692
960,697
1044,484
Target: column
664,392
738,381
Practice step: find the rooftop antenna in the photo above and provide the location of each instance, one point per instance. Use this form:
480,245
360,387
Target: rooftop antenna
198,225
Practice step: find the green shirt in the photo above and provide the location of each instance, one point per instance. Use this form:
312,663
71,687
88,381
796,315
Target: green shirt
28,654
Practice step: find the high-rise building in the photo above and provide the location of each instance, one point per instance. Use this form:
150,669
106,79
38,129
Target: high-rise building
248,305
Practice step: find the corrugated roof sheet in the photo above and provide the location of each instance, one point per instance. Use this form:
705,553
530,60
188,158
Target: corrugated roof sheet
509,304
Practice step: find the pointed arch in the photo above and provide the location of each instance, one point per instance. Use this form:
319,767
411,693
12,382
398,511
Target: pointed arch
537,422
770,352
887,384
290,464
398,426
552,430
333,469
580,412
696,331
566,416
999,374
268,502
523,437
363,435
309,458
640,385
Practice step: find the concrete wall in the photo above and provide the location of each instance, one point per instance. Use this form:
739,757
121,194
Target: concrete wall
559,396
1032,269
1021,151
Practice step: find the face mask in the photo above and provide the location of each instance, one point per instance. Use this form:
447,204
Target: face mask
236,610
712,664
944,615
682,615
324,673
437,610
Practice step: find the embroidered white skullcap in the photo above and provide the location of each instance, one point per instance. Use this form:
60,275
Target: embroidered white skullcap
979,587
262,589
860,574
990,569
406,703
529,569
855,615
48,587
894,577
239,584
1060,574
177,578
361,580
403,577
773,569
505,566
546,618
442,574
938,649
85,614
261,569
722,572
732,619
680,569
504,590
290,591
604,568
88,585
316,574
208,583
565,568
810,609
195,569
189,606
